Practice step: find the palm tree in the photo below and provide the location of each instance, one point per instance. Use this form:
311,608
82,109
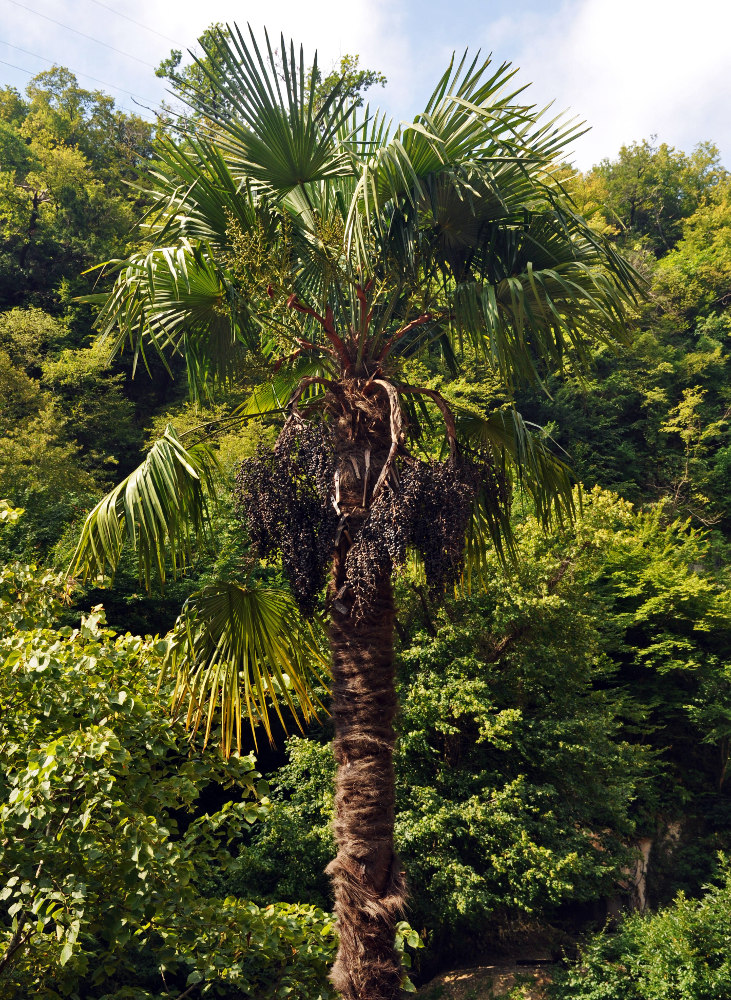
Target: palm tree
321,241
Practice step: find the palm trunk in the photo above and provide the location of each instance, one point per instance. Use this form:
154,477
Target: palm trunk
367,877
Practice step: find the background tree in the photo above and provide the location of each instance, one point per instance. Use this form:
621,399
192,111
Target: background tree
64,197
109,840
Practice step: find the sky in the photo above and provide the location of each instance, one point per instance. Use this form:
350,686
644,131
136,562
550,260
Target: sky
631,69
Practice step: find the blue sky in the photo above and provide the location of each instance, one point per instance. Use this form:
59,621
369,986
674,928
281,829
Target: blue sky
630,68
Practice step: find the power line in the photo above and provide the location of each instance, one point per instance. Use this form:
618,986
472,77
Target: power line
68,27
138,23
32,72
86,76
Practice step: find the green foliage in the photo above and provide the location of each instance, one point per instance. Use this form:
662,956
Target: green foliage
679,953
65,426
285,856
543,726
63,199
696,274
29,596
649,190
352,80
107,848
91,398
28,336
37,450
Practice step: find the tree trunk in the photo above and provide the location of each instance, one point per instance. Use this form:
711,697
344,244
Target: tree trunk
367,877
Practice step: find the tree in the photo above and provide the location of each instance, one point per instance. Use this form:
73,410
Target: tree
67,157
197,78
335,251
649,190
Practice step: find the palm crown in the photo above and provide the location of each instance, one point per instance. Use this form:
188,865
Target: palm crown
334,248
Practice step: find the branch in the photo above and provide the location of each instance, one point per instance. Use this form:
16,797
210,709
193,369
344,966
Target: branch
366,315
187,992
397,427
231,418
326,322
424,318
305,384
17,941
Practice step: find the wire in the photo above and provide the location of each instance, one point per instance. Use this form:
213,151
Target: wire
138,23
87,76
32,72
96,41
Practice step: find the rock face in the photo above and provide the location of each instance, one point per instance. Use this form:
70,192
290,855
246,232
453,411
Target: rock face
639,875
665,842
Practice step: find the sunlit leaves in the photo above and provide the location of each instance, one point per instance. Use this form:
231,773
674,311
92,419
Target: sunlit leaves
241,653
275,135
108,845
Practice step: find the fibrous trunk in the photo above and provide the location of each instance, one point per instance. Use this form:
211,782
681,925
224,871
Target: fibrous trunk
367,877
385,502
368,880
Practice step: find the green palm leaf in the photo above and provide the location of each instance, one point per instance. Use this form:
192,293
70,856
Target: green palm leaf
196,195
177,300
158,509
517,451
274,136
273,395
245,652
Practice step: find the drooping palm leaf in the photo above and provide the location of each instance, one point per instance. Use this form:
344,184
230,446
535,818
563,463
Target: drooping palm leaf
273,395
197,197
178,300
245,652
158,509
520,452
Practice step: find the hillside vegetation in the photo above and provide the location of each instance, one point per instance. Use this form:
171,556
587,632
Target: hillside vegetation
550,721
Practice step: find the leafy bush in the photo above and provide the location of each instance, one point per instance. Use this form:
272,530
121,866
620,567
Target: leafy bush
107,847
679,953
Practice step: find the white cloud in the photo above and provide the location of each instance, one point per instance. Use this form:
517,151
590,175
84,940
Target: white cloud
371,28
631,68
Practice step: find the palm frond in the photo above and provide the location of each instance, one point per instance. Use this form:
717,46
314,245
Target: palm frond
178,300
518,452
272,396
244,652
472,120
275,138
539,291
158,509
197,197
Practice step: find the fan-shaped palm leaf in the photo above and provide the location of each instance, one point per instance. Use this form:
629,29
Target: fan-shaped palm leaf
177,300
244,652
278,139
